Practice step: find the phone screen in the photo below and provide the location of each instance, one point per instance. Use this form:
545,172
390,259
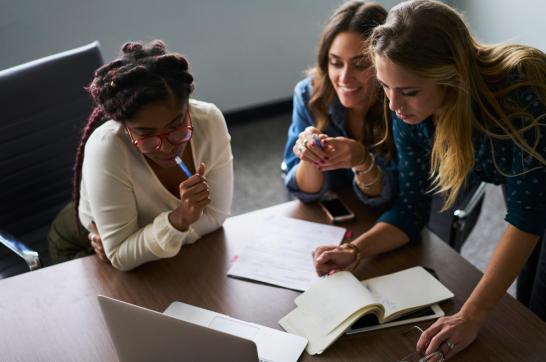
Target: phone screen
336,208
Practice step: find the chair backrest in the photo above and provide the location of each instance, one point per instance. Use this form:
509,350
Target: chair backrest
44,107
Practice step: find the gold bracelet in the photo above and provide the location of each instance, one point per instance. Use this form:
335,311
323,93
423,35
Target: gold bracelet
368,169
354,248
363,186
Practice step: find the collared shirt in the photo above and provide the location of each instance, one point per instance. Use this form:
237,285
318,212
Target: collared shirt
336,179
497,161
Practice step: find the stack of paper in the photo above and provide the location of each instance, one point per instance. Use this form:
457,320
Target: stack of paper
281,252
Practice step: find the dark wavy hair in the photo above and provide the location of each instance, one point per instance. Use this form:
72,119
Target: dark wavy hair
361,18
143,74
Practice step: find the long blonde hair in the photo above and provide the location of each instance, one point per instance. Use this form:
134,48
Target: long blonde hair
361,18
432,40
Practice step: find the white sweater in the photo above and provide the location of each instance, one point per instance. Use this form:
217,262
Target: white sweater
130,206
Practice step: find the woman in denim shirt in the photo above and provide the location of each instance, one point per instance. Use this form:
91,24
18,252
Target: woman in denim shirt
460,110
338,117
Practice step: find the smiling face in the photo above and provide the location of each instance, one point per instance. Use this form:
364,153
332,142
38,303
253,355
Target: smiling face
161,117
350,72
412,97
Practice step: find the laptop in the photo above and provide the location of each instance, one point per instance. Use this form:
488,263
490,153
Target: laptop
141,334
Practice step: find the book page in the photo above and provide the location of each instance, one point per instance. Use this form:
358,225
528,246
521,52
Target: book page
333,299
295,322
335,302
280,253
327,308
406,290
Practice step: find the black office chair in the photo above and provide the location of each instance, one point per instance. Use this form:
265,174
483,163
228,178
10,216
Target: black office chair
44,107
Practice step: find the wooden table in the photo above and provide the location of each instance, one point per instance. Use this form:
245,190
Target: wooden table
52,314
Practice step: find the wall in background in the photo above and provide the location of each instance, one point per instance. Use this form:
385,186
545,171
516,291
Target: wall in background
243,53
494,21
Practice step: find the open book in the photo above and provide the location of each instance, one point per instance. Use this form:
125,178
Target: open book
335,302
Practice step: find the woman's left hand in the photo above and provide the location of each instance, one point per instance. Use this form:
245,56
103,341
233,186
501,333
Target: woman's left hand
96,243
343,152
450,335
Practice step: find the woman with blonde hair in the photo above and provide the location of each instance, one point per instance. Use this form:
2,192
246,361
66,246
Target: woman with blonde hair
461,110
337,123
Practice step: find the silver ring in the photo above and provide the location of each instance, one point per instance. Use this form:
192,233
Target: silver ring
450,345
305,141
301,149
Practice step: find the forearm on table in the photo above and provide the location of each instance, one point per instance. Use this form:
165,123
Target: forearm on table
382,237
129,253
308,178
507,260
212,219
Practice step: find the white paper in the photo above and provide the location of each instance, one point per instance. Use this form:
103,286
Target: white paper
280,253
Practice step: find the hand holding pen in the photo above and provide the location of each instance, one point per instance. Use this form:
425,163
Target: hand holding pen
330,258
194,196
309,146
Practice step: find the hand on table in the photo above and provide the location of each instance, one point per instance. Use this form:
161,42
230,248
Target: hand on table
331,258
96,243
449,335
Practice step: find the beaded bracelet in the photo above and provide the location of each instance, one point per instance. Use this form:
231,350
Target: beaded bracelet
354,248
372,164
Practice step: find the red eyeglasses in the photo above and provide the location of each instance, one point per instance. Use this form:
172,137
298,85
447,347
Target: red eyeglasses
149,144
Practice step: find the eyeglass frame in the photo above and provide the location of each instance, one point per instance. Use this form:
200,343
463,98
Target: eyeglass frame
161,135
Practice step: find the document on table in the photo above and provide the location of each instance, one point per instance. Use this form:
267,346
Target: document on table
280,252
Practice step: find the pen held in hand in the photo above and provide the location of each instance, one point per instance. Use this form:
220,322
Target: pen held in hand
183,166
316,141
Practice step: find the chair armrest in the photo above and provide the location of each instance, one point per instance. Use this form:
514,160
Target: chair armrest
284,168
30,257
466,216
470,205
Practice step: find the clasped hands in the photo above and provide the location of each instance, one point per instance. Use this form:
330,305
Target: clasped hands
328,153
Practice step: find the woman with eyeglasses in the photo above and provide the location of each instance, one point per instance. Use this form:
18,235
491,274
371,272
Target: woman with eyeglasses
334,141
128,189
461,110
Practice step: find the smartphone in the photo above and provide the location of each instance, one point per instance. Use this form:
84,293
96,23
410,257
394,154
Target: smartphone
336,210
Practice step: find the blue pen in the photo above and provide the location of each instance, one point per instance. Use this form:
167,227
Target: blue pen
183,166
316,140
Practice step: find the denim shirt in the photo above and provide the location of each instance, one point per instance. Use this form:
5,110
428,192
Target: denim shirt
497,161
335,179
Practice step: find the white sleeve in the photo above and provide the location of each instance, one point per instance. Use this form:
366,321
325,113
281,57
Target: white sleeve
113,206
219,175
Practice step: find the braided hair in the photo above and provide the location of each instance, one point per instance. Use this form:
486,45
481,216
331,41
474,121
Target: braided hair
143,74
